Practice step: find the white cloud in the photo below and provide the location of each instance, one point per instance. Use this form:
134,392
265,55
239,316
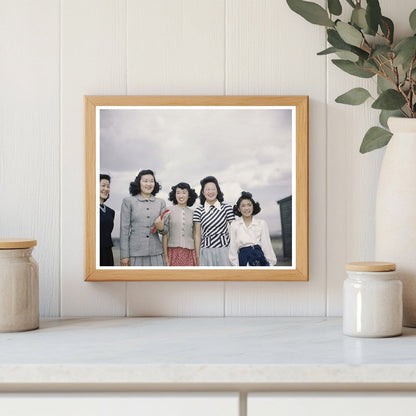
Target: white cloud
246,149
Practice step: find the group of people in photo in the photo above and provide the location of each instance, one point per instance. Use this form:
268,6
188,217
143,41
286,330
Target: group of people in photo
213,234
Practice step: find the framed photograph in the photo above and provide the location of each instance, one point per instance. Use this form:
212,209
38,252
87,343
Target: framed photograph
196,188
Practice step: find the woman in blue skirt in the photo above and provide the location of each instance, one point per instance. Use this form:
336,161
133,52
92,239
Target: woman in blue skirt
250,239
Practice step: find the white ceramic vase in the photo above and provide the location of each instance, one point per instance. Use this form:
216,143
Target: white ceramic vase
396,210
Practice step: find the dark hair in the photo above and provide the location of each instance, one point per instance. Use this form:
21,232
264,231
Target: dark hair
135,185
106,177
183,185
246,195
208,179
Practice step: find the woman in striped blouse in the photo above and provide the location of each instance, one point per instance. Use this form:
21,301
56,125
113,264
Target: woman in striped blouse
211,231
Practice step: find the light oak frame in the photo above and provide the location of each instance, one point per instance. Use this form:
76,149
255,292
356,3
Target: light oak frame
298,273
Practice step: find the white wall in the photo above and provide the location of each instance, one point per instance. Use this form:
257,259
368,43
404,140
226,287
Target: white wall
54,52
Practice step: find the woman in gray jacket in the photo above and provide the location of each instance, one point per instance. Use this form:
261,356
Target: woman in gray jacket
141,223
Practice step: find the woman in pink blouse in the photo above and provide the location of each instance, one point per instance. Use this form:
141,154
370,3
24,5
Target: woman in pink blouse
178,243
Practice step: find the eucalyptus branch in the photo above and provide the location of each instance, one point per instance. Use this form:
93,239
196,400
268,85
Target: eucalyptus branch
389,62
406,97
372,71
384,74
386,37
382,64
369,46
366,40
395,71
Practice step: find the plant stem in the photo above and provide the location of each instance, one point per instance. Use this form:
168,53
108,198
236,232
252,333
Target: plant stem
384,74
365,42
395,71
412,87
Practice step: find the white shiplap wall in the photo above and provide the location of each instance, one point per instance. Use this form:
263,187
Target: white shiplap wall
30,140
55,52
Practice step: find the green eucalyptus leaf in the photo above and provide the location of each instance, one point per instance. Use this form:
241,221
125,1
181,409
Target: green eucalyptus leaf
356,96
361,53
383,84
352,68
389,100
381,50
358,18
311,12
386,114
405,50
370,65
373,15
412,20
406,43
334,7
383,53
387,27
349,34
347,56
328,51
336,41
375,138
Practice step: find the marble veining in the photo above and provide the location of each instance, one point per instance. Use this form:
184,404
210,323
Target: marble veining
203,350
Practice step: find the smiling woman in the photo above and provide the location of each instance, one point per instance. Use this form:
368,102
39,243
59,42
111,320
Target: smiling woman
106,223
139,245
256,143
211,219
250,238
179,242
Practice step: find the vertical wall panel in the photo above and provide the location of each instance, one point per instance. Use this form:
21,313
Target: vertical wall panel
267,56
93,63
352,177
29,135
175,299
175,48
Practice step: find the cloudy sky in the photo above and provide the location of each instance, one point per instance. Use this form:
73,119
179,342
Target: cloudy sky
245,148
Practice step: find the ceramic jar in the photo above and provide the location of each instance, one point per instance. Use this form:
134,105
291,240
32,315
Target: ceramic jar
372,297
19,286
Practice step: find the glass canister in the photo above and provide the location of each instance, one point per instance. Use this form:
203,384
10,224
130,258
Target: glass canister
19,286
372,297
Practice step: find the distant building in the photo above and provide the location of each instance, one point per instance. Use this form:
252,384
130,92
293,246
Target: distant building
285,205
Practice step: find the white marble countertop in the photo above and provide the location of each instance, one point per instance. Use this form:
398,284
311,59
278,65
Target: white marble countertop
253,353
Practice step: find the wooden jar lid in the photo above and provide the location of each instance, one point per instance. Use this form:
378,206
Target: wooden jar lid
11,243
371,266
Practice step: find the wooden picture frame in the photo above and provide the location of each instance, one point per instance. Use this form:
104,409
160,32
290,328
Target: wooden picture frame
103,109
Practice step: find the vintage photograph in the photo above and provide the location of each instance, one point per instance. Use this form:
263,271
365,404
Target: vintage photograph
245,149
195,187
